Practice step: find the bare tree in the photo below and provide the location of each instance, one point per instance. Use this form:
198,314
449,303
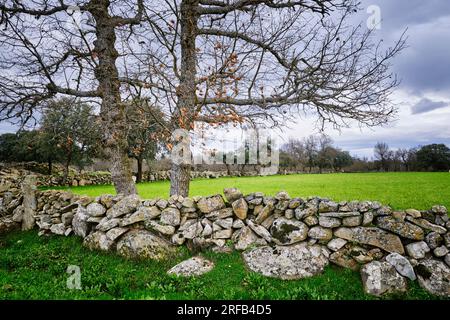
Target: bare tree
383,155
46,53
260,61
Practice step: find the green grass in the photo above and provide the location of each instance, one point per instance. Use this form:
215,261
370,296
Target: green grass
400,190
33,267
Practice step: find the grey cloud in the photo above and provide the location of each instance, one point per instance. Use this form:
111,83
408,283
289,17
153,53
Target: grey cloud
427,105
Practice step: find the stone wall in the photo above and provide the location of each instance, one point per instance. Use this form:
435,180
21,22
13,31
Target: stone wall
280,236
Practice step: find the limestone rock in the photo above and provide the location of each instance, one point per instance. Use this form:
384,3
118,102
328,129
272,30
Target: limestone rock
336,244
380,278
311,221
343,259
95,209
248,238
163,229
210,204
328,222
287,262
98,241
260,231
138,216
352,221
434,240
417,250
144,244
232,194
440,251
427,225
402,265
372,236
434,276
265,212
124,206
320,233
367,218
80,225
413,213
171,217
220,214
240,208
403,229
107,224
115,233
339,214
195,266
223,234
59,229
286,232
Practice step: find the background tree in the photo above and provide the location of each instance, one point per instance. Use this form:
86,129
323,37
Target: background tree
73,129
383,155
144,132
435,157
343,159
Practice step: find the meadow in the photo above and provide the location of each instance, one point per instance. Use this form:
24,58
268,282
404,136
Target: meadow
33,267
401,190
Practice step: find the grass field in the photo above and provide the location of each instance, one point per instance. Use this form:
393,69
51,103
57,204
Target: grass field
33,267
400,190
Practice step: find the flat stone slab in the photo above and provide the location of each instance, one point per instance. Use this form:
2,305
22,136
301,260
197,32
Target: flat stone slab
195,266
287,262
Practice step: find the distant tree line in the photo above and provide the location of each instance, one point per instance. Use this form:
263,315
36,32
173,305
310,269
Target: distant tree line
318,154
313,154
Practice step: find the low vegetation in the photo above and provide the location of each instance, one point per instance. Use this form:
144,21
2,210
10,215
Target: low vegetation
33,267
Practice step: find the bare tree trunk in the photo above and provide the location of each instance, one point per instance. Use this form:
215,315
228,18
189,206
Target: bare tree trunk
112,109
180,173
50,165
66,168
139,169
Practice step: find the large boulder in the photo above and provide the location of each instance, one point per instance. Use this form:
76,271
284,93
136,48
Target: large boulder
287,262
285,231
403,229
210,204
372,236
195,266
381,278
434,276
143,244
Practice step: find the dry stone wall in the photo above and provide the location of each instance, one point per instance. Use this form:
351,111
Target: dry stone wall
280,236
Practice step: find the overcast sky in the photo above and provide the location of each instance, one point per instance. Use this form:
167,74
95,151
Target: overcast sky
423,97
